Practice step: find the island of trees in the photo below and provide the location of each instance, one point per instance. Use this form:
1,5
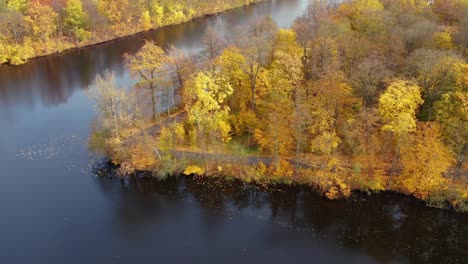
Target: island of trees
361,95
33,28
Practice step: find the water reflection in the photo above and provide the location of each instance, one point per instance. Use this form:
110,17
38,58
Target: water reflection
388,227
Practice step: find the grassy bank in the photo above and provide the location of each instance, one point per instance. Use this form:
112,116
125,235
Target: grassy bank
136,155
262,171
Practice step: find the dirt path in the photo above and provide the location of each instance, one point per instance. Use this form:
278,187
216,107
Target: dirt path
155,130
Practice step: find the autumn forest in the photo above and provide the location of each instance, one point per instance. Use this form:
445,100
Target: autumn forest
33,28
361,95
358,95
234,131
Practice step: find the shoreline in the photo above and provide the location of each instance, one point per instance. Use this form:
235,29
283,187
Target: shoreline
257,169
185,163
103,42
112,174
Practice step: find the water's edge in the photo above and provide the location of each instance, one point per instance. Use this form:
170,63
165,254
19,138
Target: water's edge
133,34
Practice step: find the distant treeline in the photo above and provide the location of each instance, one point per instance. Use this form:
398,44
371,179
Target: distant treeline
31,28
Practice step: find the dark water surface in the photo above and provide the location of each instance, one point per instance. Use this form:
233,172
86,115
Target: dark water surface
54,209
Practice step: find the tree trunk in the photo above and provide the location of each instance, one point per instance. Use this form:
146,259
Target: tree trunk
153,103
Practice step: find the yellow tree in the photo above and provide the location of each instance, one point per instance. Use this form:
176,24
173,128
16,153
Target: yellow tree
145,20
148,64
366,16
333,109
371,21
360,6
331,103
157,12
452,114
323,130
274,134
113,10
207,113
287,58
425,159
398,106
367,137
230,64
41,20
18,5
3,53
287,55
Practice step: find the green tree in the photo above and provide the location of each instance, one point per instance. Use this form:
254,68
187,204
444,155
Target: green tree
18,5
76,19
434,71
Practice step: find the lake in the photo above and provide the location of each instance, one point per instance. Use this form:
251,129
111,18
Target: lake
56,208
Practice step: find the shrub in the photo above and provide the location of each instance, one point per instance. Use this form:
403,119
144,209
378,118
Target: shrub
194,170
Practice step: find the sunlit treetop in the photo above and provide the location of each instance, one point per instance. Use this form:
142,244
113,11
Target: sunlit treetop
398,106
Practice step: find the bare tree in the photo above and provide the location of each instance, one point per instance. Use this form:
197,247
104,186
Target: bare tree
213,44
110,101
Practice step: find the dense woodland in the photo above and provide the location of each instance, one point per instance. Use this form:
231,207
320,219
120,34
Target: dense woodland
31,28
361,95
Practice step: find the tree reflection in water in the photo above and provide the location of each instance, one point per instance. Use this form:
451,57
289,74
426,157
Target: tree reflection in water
386,226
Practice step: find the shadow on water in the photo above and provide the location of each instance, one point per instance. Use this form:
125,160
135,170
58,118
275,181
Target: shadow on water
388,227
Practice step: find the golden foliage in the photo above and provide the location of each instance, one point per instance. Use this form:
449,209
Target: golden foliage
337,189
281,170
41,20
255,173
398,106
443,40
194,170
425,159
